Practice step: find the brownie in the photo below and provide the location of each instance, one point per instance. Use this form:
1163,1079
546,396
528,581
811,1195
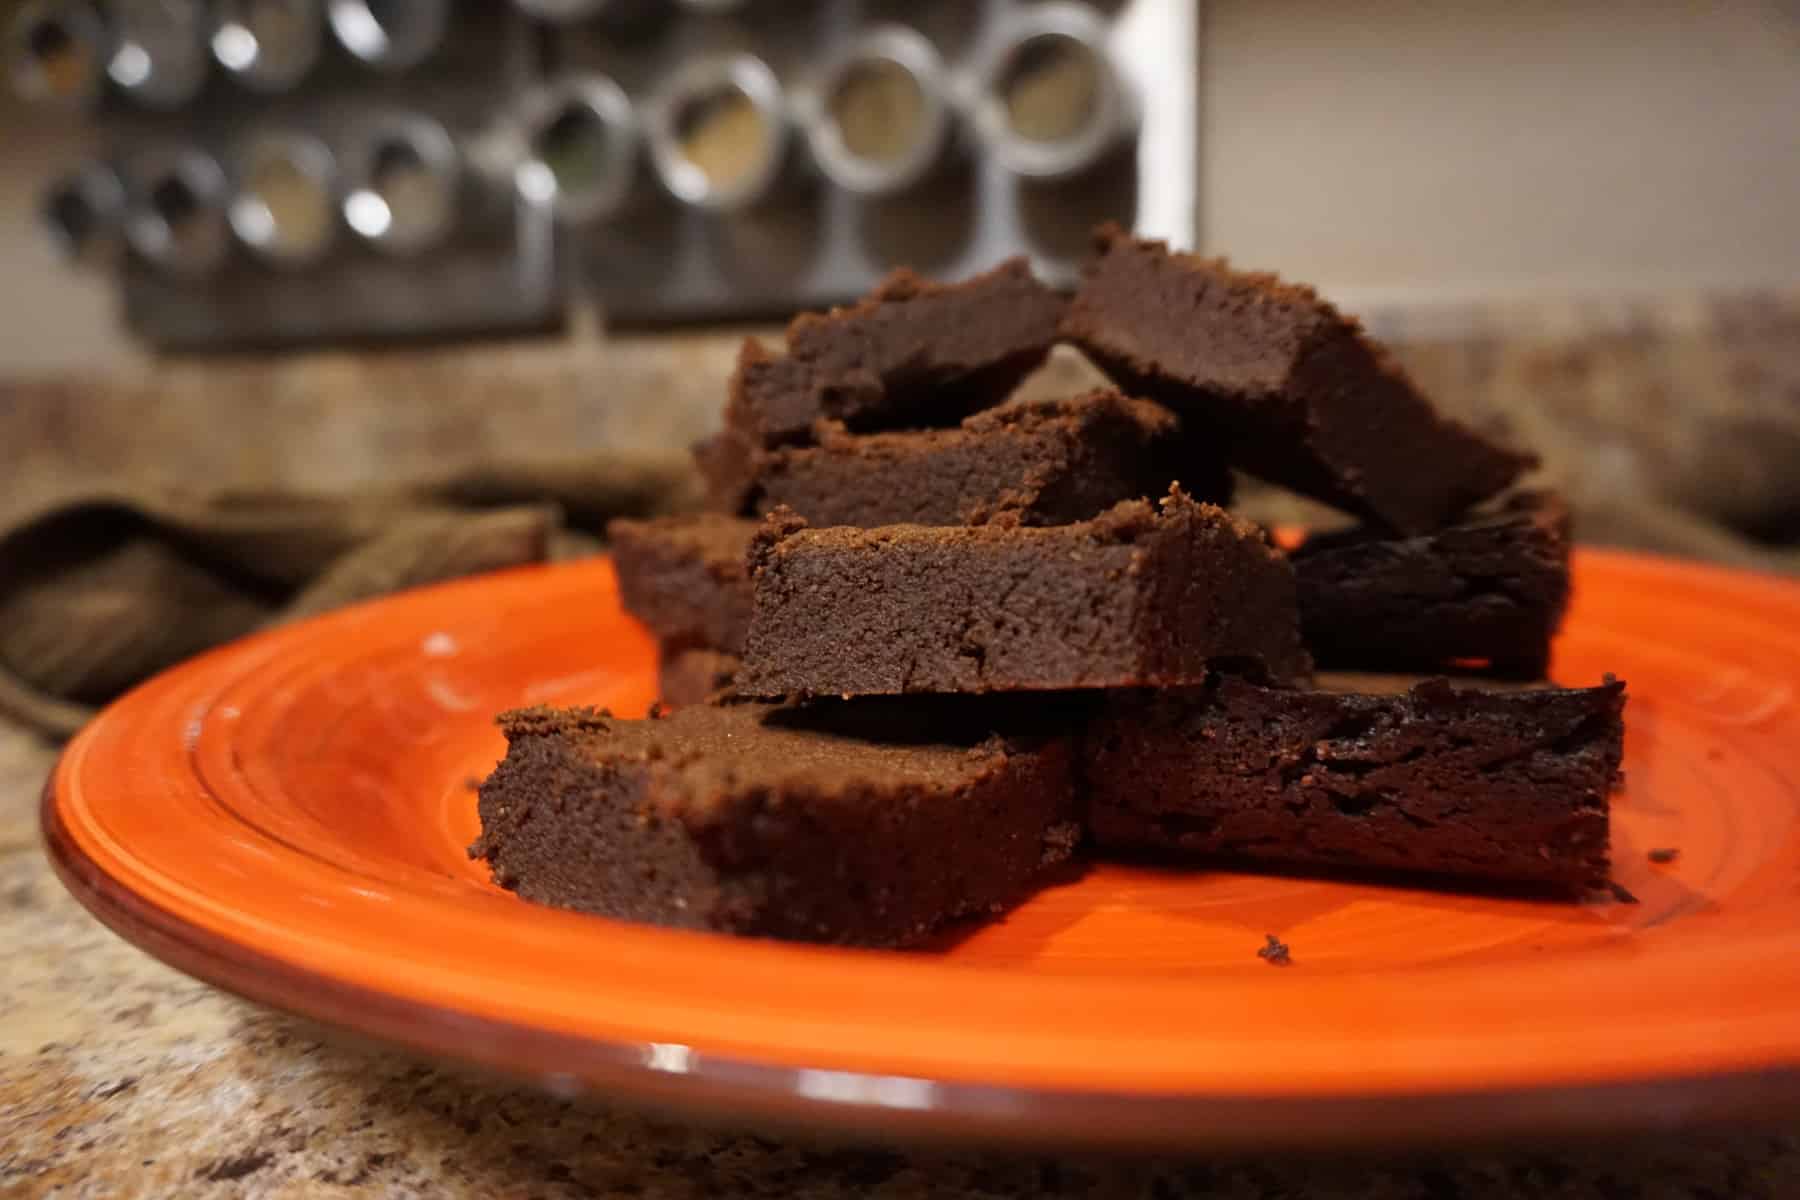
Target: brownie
1489,591
693,673
869,823
912,353
685,577
1143,594
1046,462
1505,785
727,462
1291,388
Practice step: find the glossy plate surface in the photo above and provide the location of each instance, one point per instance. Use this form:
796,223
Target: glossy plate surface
287,817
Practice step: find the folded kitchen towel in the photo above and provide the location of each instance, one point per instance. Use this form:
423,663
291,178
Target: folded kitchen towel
103,588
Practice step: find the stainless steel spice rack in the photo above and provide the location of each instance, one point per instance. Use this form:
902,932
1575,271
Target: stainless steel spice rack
316,170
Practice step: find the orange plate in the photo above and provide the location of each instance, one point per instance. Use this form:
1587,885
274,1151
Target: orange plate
286,818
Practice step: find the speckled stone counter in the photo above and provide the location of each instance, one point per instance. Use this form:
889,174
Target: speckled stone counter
120,1077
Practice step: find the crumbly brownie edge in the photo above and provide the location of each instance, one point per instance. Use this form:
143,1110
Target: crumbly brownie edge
911,608
1508,786
912,354
885,864
1490,590
728,466
1004,608
1391,455
689,673
1222,591
1112,447
561,830
1293,388
685,577
1038,463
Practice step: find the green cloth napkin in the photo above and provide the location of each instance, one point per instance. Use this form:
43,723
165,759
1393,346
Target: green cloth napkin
101,589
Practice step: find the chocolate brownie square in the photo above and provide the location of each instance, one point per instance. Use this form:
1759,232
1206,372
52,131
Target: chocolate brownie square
865,824
685,576
1048,462
1488,592
727,462
1291,387
692,673
912,353
1505,785
1143,594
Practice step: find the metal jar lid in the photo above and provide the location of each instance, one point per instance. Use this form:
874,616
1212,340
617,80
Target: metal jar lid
718,132
580,140
268,45
390,34
56,52
878,119
402,182
284,206
176,220
1048,101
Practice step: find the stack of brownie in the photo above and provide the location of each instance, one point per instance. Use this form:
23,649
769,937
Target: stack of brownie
935,638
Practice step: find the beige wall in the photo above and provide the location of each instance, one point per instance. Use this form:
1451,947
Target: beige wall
1382,148
1388,147
50,316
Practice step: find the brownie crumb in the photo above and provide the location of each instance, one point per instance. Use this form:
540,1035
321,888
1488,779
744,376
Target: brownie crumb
1275,952
1620,893
1665,854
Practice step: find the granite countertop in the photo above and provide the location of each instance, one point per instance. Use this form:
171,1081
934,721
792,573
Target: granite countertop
119,1076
